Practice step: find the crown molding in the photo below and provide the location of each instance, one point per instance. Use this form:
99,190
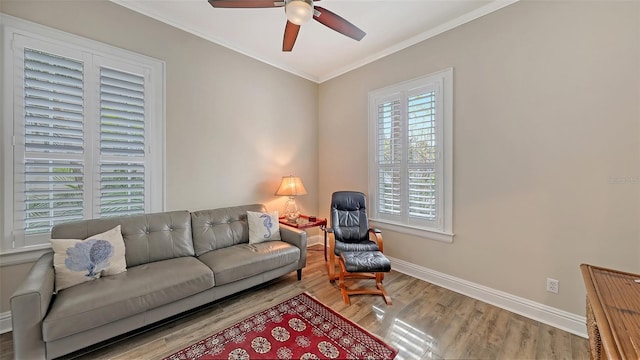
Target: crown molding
461,20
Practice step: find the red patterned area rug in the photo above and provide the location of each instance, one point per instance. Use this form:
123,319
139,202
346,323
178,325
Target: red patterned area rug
299,328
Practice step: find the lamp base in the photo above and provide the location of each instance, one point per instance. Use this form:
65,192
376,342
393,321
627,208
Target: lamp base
291,211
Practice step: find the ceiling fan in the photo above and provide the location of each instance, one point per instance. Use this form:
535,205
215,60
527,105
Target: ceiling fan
298,12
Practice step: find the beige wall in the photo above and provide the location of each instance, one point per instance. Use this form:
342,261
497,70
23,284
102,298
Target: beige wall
546,117
546,122
231,134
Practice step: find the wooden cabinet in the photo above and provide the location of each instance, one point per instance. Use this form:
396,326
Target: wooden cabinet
613,313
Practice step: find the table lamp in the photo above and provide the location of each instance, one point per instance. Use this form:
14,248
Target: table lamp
291,186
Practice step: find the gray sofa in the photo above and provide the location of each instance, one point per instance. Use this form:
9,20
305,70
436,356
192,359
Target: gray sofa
176,261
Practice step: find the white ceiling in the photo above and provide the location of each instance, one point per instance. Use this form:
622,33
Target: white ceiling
319,53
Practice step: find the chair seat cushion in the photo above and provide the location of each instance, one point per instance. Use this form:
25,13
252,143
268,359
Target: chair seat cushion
366,245
241,261
110,298
365,261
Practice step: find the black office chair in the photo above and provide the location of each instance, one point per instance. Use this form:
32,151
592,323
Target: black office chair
353,246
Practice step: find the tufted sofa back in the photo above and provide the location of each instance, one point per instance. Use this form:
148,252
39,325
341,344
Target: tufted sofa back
147,238
219,228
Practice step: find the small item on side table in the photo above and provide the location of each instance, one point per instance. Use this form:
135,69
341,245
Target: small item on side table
305,222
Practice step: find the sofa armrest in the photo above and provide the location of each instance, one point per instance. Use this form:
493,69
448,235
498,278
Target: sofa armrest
29,305
297,238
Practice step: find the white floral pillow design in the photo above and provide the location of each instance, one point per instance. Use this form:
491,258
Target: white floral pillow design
263,226
76,261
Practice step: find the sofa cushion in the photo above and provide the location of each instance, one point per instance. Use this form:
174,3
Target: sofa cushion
219,228
242,261
140,288
147,237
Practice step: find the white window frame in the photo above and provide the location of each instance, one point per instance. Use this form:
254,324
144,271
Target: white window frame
16,31
442,228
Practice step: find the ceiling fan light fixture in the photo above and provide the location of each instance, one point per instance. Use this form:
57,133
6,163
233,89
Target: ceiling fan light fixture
299,11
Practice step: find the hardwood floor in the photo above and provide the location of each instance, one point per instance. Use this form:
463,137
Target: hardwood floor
424,322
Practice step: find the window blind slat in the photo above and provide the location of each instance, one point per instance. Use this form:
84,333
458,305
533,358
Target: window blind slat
115,128
57,87
52,116
72,133
117,98
107,167
123,108
131,191
123,139
115,211
55,101
53,60
56,97
121,75
107,89
52,78
107,113
56,207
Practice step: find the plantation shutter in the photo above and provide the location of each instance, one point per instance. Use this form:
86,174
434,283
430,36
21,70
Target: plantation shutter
122,143
410,162
53,183
389,156
422,155
84,133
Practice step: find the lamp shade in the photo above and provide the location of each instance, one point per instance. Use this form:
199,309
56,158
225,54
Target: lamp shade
291,186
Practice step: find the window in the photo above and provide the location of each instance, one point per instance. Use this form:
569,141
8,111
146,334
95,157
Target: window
410,143
84,129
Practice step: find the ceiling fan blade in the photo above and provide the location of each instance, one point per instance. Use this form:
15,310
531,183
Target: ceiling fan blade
290,36
245,3
337,23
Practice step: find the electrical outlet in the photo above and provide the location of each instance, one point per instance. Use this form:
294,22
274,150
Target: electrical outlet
553,285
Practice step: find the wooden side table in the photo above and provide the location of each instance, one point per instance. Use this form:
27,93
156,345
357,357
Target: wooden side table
613,312
303,223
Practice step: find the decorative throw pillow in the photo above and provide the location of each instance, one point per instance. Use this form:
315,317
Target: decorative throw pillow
77,261
263,226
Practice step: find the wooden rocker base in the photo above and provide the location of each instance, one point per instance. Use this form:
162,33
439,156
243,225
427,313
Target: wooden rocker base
378,276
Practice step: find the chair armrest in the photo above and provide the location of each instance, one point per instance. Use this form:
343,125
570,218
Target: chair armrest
331,263
29,305
298,238
377,234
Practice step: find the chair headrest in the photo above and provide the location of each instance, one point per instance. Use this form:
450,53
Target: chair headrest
348,201
349,216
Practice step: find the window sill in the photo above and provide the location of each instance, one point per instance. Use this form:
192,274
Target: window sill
22,256
412,230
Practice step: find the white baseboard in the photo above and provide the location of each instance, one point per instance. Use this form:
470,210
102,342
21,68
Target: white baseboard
5,322
560,319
